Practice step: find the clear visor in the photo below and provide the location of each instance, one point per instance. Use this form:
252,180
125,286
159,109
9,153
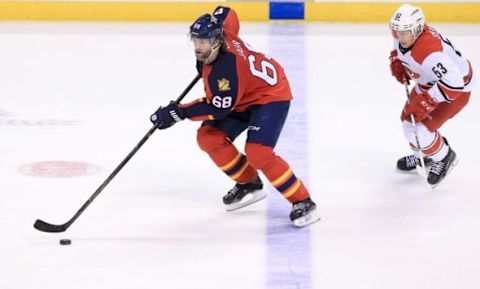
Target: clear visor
202,44
396,31
199,40
402,33
404,30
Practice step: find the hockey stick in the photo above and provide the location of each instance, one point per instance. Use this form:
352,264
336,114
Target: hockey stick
50,228
422,169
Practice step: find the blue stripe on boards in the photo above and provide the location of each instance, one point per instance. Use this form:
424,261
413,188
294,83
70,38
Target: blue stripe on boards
287,10
288,248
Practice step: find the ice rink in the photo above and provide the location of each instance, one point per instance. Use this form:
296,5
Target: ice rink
80,95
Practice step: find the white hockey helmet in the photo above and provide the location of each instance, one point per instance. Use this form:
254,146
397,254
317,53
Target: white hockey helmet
408,18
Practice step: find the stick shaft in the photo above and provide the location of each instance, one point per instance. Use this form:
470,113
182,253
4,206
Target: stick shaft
43,226
417,141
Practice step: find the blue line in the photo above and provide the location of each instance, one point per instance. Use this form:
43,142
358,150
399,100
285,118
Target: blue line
288,248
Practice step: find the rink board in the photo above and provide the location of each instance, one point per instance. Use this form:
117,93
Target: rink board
363,12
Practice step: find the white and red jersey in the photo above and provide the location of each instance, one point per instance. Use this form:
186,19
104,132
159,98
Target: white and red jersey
436,66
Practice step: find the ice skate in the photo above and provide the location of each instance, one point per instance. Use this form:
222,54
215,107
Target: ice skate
242,195
304,213
410,162
440,169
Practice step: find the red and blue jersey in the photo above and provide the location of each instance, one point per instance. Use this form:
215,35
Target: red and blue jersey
240,76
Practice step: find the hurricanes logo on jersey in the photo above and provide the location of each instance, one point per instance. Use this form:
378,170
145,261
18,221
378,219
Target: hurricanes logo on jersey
413,75
223,84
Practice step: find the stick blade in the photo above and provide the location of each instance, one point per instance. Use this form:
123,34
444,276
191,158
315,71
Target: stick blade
49,228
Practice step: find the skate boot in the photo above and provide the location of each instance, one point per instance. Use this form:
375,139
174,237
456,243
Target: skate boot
242,195
304,213
409,163
439,170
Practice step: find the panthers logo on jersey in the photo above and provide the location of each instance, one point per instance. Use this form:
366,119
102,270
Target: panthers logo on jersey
223,84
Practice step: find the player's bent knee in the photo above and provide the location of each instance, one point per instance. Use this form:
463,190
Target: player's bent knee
210,138
259,155
424,134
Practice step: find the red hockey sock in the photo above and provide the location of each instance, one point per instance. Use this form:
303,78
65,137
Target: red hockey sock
277,171
225,155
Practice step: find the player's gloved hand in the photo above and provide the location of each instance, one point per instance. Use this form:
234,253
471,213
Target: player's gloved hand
418,104
167,116
397,68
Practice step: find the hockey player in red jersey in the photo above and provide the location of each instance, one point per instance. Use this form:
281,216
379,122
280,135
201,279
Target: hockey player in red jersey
443,80
245,91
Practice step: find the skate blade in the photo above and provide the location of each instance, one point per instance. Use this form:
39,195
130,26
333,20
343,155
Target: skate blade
421,171
312,217
247,200
411,172
452,166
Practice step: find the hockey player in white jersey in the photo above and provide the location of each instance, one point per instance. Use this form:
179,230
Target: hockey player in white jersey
443,81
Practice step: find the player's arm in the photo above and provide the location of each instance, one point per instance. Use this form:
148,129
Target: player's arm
222,88
229,19
447,79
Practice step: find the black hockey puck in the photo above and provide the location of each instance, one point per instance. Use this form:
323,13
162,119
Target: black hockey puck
65,242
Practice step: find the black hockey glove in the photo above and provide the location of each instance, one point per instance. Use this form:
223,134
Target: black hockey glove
167,116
